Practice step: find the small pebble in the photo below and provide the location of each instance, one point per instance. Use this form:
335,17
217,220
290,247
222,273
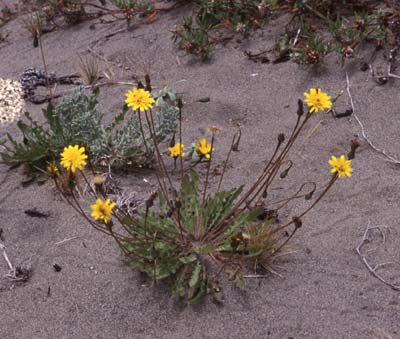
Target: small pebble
57,268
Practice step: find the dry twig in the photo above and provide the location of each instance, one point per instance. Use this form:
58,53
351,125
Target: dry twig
392,57
373,269
65,240
16,273
363,132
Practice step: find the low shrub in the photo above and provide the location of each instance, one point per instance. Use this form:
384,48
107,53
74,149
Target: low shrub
188,233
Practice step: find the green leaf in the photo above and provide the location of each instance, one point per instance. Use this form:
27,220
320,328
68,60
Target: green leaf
194,279
198,294
207,249
190,201
127,220
188,259
220,206
242,220
162,202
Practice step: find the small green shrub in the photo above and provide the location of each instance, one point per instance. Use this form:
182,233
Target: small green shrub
130,8
193,35
319,27
315,28
188,233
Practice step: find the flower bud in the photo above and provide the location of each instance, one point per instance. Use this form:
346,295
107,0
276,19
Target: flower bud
300,108
178,203
179,103
148,82
150,200
297,222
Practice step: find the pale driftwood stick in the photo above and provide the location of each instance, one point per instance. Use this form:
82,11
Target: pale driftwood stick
373,270
10,266
14,273
363,132
65,240
391,60
297,37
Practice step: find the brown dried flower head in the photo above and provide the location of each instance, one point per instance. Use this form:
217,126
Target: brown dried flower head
214,129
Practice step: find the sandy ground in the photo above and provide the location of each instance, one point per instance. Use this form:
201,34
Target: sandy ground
325,290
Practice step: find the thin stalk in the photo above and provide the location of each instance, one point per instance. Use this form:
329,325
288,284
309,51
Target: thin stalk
226,161
281,227
142,131
180,143
39,35
199,220
150,123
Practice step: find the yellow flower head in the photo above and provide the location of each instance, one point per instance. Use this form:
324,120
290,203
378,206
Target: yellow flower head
73,158
52,169
139,99
177,150
341,166
317,100
203,148
102,210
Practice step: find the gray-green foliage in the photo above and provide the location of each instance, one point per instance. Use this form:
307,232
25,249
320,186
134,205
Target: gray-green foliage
124,3
120,145
83,122
128,140
76,120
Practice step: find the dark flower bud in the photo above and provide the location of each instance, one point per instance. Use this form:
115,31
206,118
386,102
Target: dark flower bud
281,138
300,109
148,82
268,215
178,203
354,145
265,194
179,103
308,196
172,141
235,241
286,171
140,85
150,200
297,222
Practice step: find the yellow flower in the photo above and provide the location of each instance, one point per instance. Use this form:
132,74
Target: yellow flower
73,158
203,148
102,210
177,150
317,100
139,99
341,166
52,169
